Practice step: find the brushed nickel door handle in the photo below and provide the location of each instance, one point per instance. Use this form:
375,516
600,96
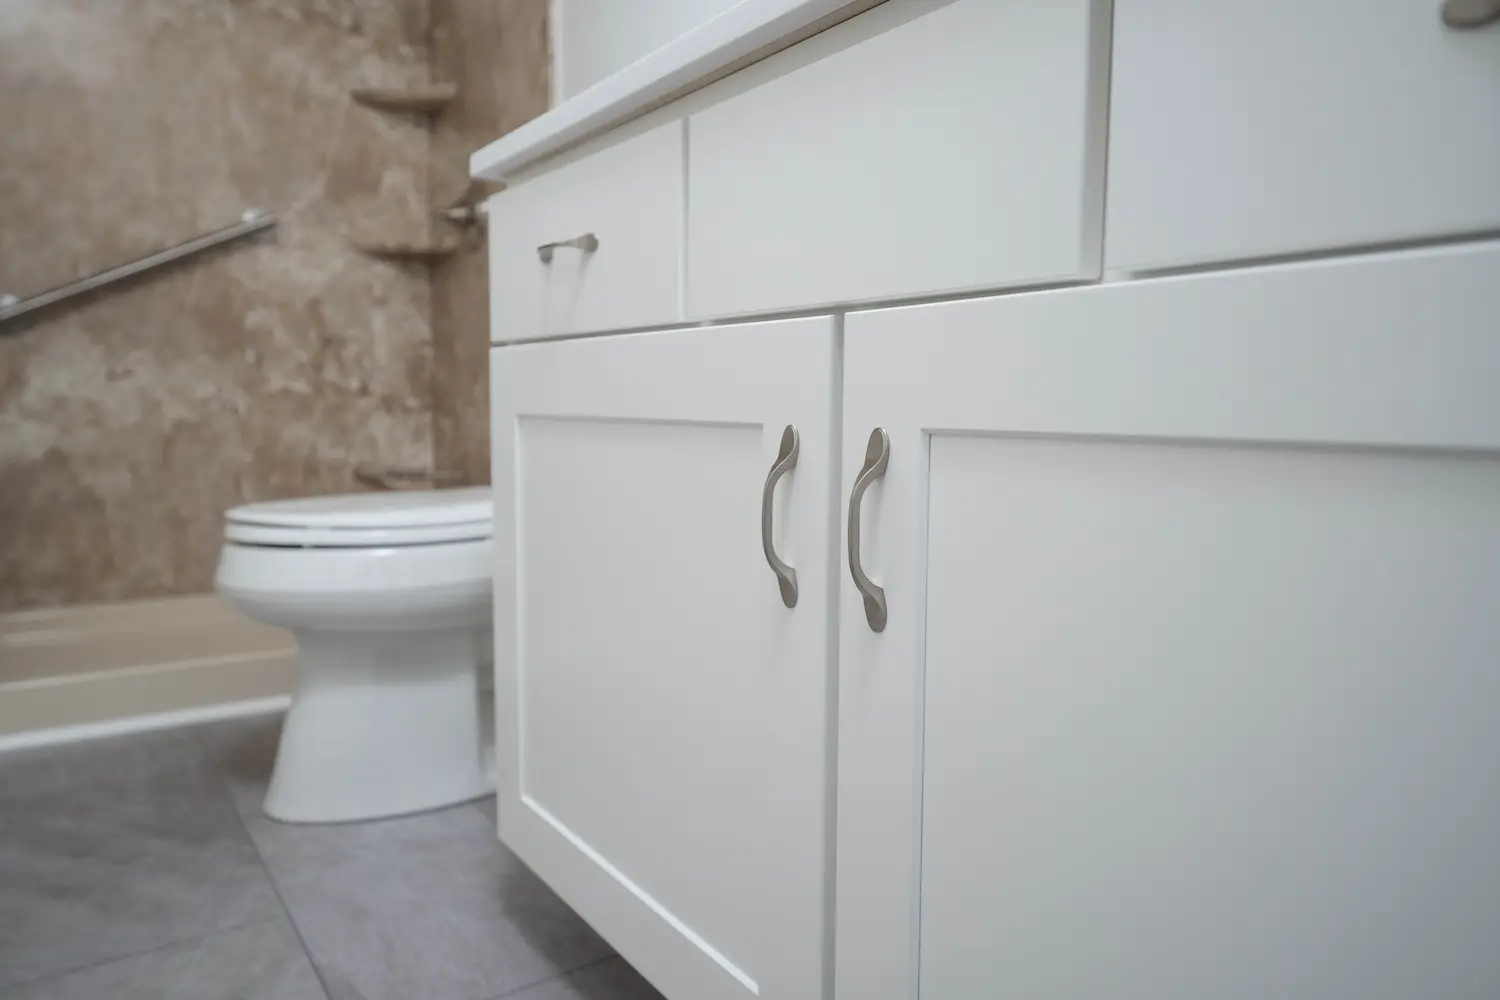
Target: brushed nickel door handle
587,243
786,460
877,457
1470,13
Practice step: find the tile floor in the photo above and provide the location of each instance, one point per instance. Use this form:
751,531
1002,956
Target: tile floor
142,867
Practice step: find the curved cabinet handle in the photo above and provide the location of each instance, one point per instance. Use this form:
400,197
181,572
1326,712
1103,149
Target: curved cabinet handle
587,243
1470,13
786,460
877,457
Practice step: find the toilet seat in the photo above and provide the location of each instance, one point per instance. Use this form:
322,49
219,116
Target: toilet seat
365,520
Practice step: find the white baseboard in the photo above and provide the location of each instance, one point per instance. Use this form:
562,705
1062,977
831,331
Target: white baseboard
97,670
143,723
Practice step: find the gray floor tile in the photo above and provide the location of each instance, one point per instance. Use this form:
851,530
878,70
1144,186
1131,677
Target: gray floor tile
241,753
611,979
117,847
263,961
429,905
486,805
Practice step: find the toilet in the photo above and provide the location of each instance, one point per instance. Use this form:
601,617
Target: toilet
388,595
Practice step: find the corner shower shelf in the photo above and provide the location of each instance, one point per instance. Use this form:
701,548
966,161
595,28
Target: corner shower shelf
426,98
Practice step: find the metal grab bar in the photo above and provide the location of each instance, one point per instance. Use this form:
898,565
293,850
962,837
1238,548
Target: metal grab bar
252,221
401,478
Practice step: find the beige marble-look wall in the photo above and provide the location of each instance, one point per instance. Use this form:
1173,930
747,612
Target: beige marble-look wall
497,52
130,420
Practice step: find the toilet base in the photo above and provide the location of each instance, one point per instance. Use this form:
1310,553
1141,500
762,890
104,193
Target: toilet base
382,724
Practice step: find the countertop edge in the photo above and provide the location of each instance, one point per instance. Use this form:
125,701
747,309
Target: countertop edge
670,71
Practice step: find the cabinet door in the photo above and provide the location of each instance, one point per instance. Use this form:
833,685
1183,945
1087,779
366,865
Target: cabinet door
663,717
1242,130
1191,681
917,148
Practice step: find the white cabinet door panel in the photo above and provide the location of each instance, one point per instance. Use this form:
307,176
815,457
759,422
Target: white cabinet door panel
663,719
1191,681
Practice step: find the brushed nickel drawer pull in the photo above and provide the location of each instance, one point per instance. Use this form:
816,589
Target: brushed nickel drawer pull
1470,13
877,457
588,243
786,460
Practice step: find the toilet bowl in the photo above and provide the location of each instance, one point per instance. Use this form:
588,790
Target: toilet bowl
388,595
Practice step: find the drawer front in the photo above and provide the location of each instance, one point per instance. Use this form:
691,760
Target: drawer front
949,147
1240,130
628,198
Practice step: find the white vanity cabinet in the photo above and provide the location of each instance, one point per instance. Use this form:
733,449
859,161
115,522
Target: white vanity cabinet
1187,676
665,718
1145,636
1190,680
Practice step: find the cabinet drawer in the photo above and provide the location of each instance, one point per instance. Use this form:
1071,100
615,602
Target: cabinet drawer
628,198
1241,130
914,149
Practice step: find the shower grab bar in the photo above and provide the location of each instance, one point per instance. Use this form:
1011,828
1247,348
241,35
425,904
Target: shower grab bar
252,221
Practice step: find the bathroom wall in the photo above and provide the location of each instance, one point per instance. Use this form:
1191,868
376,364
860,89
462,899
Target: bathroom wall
270,368
496,50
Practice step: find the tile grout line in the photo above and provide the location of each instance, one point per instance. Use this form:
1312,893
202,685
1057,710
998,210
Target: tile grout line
550,979
488,822
87,966
197,747
286,911
563,974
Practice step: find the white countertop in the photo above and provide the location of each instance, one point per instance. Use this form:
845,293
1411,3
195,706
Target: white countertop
676,68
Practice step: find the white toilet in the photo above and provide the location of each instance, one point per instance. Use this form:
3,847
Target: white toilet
388,595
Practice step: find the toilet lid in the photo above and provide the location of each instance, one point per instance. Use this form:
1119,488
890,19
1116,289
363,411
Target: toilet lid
404,517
